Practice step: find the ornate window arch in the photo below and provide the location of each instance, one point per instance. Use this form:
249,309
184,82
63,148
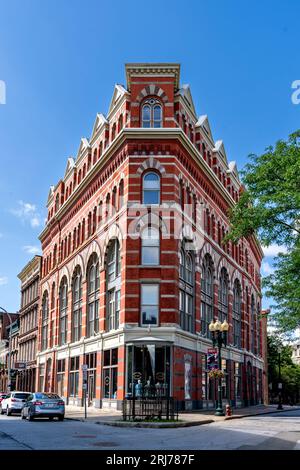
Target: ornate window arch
63,311
207,294
45,318
151,188
76,304
237,313
151,113
93,286
223,295
187,288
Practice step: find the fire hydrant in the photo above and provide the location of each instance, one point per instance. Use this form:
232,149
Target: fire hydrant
228,410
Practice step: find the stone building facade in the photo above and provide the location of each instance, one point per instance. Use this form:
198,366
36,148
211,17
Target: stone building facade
134,268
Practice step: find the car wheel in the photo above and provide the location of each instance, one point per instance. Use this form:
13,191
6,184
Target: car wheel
2,411
22,415
8,412
30,417
60,418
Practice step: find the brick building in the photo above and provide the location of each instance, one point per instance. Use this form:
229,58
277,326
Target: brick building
134,268
29,277
7,328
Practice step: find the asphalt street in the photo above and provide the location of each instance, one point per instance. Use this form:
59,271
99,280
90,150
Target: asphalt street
280,431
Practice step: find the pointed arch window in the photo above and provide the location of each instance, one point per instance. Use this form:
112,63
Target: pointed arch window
223,296
237,313
151,113
93,296
151,188
76,305
45,318
63,311
206,294
186,292
150,246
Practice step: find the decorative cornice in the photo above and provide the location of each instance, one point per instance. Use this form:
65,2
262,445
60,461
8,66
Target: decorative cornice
148,69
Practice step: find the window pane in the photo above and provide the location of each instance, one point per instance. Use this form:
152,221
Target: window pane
150,294
151,197
146,113
114,356
150,255
149,315
151,181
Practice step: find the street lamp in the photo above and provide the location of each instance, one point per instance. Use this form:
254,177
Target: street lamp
219,336
9,349
279,407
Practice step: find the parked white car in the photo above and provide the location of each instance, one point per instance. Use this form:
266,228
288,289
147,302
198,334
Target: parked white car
13,403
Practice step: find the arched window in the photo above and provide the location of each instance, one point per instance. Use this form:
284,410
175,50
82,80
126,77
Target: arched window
113,132
121,194
237,313
76,305
53,295
151,188
45,317
57,202
113,285
95,157
151,113
63,311
186,292
253,321
93,283
150,246
120,123
223,296
206,294
55,255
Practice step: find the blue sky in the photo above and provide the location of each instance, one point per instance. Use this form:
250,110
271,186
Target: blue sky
60,59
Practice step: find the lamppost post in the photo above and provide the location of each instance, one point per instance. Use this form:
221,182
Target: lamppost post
279,407
219,336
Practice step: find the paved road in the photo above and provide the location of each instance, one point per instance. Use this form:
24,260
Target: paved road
274,431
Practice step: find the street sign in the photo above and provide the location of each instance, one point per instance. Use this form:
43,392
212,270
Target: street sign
20,365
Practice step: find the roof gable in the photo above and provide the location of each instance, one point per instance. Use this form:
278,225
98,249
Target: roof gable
99,121
219,147
204,124
119,91
70,165
185,92
84,144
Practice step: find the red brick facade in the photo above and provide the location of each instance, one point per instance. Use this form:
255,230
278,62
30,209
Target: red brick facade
151,145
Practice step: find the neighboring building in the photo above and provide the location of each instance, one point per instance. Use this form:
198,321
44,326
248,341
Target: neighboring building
29,277
4,346
296,353
134,268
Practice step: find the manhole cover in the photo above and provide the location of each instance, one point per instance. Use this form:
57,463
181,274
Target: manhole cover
84,436
105,444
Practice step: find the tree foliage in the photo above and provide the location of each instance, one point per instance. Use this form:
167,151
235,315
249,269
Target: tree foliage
270,208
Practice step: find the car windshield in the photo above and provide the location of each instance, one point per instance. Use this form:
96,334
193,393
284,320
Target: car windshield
47,396
21,396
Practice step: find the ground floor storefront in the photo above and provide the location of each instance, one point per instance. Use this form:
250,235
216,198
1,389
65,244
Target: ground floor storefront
108,370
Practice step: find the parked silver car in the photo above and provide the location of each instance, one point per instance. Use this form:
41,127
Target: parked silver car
43,405
13,402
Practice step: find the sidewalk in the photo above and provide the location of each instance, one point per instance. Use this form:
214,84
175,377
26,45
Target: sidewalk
114,418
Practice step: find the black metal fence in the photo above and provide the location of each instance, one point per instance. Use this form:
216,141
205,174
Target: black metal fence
150,403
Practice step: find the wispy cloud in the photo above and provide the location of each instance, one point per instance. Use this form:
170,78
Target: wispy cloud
273,250
267,268
32,249
3,280
27,212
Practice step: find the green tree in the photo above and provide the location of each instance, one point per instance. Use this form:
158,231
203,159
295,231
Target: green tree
270,207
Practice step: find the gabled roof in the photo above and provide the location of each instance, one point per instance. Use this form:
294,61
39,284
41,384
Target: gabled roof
185,92
84,143
233,169
51,192
119,91
204,124
99,121
219,147
70,165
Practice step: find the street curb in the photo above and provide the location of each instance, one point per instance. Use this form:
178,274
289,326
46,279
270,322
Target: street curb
185,424
227,418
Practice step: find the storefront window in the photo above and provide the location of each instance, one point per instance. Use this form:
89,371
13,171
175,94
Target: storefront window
60,375
110,373
149,364
74,376
237,381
